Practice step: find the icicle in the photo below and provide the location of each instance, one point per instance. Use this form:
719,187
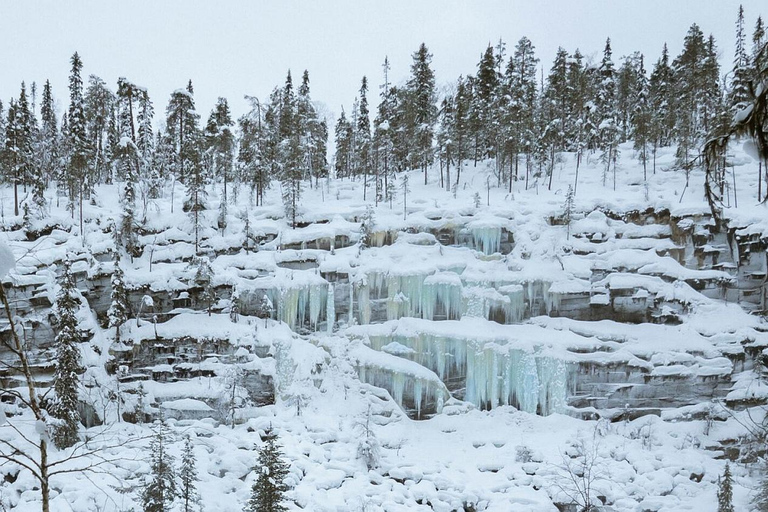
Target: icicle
330,309
351,303
417,396
487,239
363,299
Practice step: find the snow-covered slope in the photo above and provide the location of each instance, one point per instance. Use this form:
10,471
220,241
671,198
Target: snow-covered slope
487,343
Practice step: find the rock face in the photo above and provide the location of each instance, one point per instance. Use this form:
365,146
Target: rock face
612,326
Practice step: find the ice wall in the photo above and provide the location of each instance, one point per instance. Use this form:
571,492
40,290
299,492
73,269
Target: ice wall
493,373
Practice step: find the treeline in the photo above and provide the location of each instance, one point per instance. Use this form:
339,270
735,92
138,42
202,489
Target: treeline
506,111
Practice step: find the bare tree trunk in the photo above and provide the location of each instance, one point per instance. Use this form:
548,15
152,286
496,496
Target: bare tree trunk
34,404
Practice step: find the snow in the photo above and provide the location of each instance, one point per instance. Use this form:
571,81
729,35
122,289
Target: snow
187,404
7,259
458,338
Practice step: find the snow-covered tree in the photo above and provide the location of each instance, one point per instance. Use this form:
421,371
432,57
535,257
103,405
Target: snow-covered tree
204,279
641,117
344,139
66,377
234,305
741,73
120,307
268,492
725,491
568,210
188,494
100,104
368,449
78,153
182,125
422,106
159,491
366,227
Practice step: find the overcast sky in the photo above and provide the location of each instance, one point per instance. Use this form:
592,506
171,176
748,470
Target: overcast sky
232,48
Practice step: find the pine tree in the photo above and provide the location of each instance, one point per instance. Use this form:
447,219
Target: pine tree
78,140
485,98
368,449
384,138
688,70
120,307
99,106
520,77
159,491
641,117
68,367
343,146
204,279
568,210
366,227
608,129
459,134
196,200
234,305
759,57
190,498
145,139
363,136
291,156
268,492
128,235
741,73
251,154
423,107
182,125
660,90
47,149
725,491
220,143
12,156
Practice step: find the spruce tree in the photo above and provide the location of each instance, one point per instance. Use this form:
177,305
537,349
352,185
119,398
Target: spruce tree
99,105
423,108
145,138
12,152
608,129
268,492
520,76
252,149
741,73
485,98
78,139
196,200
383,139
725,491
120,307
204,279
568,210
290,152
759,57
660,99
68,367
363,136
48,146
159,490
688,70
641,117
182,125
220,142
343,146
190,498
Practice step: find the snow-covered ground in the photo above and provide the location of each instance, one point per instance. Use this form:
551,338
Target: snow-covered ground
420,333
